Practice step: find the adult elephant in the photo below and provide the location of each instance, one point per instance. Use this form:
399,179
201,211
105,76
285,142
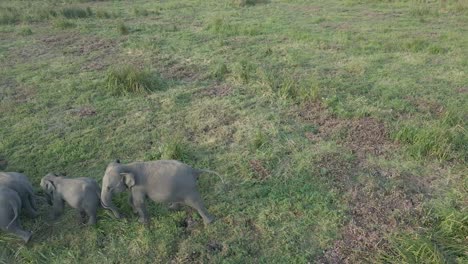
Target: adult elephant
20,183
162,181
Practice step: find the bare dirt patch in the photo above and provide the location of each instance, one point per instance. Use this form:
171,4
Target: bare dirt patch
218,90
84,111
427,106
69,44
257,167
362,135
376,207
181,71
88,45
214,246
367,136
16,92
462,90
375,212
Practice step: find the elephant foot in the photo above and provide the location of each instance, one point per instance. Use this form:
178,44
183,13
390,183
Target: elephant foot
92,222
143,220
175,206
118,215
27,237
82,217
32,214
209,220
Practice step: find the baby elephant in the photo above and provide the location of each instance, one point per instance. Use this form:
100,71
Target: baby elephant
82,194
10,206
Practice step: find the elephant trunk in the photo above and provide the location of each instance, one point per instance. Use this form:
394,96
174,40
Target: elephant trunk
106,202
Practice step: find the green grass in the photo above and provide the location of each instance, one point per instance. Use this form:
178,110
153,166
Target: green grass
339,127
129,79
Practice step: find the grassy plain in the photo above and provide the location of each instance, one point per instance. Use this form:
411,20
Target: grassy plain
339,126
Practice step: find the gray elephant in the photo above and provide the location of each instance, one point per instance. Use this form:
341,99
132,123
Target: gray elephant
162,181
10,207
80,193
20,183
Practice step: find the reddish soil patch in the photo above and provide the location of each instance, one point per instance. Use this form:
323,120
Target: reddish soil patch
259,169
220,90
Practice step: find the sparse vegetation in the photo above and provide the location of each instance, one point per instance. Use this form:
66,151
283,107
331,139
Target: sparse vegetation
76,12
339,126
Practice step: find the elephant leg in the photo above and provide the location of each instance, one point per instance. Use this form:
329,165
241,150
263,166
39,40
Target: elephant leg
57,208
196,203
91,212
16,229
82,216
175,206
29,209
139,205
130,201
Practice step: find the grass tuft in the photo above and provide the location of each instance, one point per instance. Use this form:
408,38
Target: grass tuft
102,14
25,31
76,12
123,29
242,3
219,71
63,23
129,79
9,15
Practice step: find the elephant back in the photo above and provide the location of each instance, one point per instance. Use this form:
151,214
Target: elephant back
17,182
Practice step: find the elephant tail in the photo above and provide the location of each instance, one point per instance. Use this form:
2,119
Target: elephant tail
15,210
212,172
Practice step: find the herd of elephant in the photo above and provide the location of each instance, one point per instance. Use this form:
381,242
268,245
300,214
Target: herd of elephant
168,181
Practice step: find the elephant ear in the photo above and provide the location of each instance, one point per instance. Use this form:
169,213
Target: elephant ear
129,179
49,186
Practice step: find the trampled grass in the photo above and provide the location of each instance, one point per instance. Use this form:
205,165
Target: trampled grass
339,127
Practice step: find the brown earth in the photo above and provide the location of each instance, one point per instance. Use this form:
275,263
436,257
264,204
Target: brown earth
378,201
218,90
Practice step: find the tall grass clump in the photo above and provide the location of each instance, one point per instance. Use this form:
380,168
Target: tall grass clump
242,3
25,31
127,79
62,23
219,70
9,15
76,12
443,139
443,240
123,29
285,85
173,147
102,14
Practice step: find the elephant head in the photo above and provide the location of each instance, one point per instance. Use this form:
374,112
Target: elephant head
117,179
48,185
